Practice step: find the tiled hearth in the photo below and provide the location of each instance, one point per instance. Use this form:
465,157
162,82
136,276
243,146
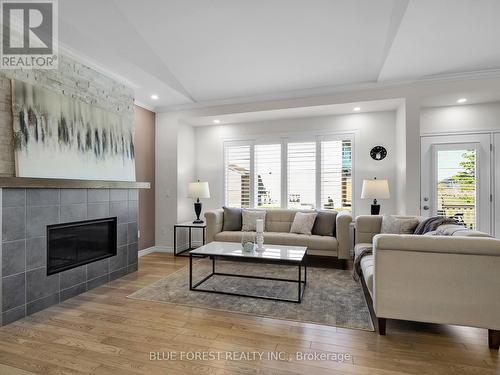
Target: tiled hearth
26,288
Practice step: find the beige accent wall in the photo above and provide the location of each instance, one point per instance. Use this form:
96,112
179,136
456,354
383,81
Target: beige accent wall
144,143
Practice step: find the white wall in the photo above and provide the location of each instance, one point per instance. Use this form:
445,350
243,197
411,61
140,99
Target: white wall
413,94
185,175
371,129
483,117
185,171
165,177
473,117
400,163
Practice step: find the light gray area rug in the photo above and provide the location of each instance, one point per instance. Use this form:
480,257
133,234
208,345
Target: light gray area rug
331,297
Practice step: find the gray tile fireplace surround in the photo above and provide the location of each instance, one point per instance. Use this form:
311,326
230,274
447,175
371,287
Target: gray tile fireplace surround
25,286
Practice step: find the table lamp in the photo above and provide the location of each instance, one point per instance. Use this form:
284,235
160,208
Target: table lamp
197,190
375,189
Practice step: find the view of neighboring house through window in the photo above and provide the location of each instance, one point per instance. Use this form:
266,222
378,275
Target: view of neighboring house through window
237,176
318,174
267,178
301,175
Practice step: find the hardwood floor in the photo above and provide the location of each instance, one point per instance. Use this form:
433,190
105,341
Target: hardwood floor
103,332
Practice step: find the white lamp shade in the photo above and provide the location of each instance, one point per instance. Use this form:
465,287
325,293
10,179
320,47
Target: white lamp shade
198,190
375,189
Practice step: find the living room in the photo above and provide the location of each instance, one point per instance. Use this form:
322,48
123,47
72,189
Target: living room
194,187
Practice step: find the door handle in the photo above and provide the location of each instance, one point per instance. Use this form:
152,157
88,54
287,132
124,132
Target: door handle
426,207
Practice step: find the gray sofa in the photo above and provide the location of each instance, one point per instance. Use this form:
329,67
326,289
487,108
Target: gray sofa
451,278
277,232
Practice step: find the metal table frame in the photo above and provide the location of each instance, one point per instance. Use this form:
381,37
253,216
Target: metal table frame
190,227
301,284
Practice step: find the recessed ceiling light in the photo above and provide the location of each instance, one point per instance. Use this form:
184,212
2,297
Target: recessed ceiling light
154,97
461,100
216,121
356,109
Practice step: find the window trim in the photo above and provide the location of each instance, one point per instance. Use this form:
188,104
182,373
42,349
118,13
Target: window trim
284,140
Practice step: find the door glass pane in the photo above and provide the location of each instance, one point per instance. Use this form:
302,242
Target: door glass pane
268,176
302,175
457,185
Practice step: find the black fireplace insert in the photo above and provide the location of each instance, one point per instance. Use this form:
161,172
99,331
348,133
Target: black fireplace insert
70,245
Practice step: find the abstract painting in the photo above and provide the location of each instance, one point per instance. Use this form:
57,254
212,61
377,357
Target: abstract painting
59,136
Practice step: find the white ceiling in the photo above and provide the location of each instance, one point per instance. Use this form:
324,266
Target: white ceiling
195,51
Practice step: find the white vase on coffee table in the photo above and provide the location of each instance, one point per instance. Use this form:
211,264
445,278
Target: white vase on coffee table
259,237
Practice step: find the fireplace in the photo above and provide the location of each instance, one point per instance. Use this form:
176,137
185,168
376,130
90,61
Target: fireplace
70,245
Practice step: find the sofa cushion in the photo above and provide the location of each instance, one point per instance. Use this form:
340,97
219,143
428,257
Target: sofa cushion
309,241
458,230
325,223
249,218
280,220
368,269
278,238
399,225
303,222
229,236
232,219
438,244
367,266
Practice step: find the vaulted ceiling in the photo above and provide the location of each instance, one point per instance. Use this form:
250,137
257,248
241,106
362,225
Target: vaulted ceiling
194,51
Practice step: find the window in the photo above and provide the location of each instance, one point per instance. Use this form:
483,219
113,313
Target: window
267,177
301,175
336,175
291,174
237,176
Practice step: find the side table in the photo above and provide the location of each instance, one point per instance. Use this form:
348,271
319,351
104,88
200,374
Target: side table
189,226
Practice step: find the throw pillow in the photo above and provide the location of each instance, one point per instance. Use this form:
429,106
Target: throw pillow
249,219
399,225
232,219
325,223
303,222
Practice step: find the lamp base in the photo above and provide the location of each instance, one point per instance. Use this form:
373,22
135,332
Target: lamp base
375,209
197,211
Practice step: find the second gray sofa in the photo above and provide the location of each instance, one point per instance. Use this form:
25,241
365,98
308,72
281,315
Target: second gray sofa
277,232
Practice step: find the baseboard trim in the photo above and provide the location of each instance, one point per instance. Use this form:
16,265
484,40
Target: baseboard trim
155,249
167,249
164,249
146,251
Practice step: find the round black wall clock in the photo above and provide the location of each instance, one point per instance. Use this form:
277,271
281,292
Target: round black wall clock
378,153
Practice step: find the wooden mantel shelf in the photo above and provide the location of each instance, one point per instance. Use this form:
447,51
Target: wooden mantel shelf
56,183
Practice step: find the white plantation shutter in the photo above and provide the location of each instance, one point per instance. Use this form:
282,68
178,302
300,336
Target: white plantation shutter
293,174
267,178
237,175
301,174
336,174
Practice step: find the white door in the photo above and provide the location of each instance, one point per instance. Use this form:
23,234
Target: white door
496,150
456,178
